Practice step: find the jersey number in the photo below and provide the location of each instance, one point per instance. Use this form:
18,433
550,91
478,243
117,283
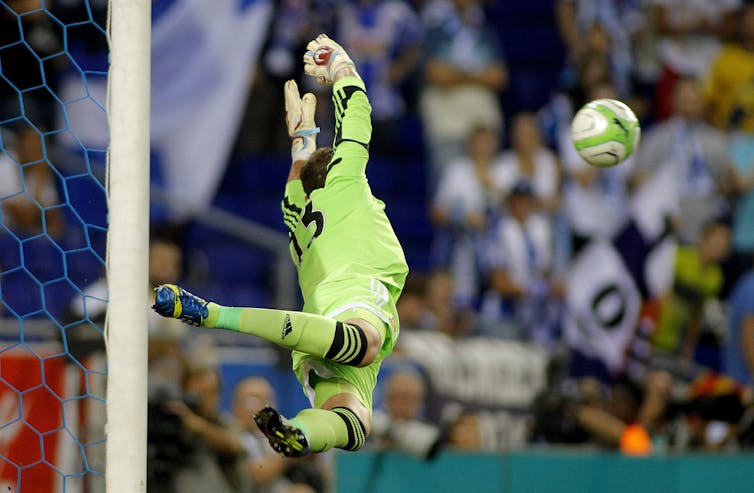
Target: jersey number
309,217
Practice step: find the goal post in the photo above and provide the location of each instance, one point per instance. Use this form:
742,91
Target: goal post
128,237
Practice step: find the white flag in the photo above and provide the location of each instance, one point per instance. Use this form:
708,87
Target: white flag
603,305
203,56
608,281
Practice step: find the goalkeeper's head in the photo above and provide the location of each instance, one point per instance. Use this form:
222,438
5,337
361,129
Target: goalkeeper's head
314,171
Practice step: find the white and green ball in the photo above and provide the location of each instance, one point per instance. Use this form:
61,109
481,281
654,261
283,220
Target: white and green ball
605,132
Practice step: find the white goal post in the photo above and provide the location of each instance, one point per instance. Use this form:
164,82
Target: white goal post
129,29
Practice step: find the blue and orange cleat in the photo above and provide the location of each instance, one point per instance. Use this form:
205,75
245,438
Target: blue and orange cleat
173,301
284,437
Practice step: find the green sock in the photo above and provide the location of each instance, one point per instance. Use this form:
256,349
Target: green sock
306,332
339,428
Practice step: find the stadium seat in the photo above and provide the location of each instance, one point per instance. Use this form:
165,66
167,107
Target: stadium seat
237,263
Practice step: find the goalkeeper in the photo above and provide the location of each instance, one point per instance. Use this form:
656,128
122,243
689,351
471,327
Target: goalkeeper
351,270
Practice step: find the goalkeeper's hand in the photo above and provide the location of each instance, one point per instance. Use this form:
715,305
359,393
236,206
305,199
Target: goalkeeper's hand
326,60
299,115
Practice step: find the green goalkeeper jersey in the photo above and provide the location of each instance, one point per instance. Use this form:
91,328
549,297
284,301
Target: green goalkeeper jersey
341,236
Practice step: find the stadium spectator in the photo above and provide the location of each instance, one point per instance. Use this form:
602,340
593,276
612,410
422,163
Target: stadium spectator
738,356
590,75
521,301
742,153
413,308
267,471
555,117
692,157
292,25
698,278
654,415
729,78
742,241
464,72
630,415
213,463
405,395
689,39
445,314
466,433
400,424
728,92
619,416
606,421
531,161
653,412
27,186
466,200
601,28
384,38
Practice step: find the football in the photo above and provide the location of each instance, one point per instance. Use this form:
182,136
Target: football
605,132
322,56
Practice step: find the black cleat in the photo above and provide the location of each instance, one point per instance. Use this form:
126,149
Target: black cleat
285,438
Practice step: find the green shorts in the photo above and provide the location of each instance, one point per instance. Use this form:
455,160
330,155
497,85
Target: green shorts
322,379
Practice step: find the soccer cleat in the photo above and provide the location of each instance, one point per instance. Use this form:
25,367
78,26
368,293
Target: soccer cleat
173,301
285,438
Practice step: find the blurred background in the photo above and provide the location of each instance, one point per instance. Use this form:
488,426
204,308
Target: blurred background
550,306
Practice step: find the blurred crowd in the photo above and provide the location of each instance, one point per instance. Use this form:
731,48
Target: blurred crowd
511,204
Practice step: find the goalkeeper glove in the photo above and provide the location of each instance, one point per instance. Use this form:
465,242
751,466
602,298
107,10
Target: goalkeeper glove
324,58
299,116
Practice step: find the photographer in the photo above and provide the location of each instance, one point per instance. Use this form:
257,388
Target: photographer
621,420
192,449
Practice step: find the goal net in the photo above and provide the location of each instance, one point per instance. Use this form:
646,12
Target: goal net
54,140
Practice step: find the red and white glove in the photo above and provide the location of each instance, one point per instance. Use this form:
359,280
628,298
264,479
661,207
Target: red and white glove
324,58
299,116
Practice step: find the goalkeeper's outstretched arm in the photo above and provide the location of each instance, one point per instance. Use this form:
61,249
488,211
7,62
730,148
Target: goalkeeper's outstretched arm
329,63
